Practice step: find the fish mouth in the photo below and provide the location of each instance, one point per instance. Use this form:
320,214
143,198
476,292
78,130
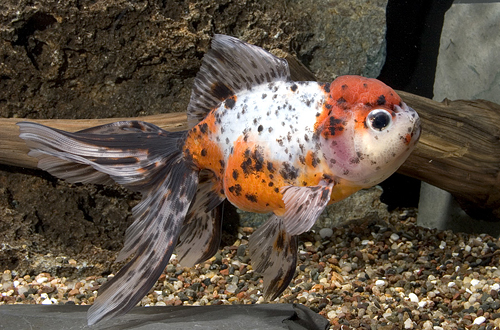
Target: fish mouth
415,118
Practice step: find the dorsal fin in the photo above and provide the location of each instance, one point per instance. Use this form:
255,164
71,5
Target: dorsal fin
229,67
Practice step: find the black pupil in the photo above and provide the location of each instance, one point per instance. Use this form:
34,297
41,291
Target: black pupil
380,120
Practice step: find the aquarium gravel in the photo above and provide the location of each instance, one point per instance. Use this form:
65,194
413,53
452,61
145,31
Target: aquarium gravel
366,274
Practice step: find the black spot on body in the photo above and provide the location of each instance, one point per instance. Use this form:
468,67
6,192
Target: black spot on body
203,152
381,100
335,124
229,103
251,197
264,95
236,189
204,128
326,87
270,167
293,87
235,174
270,184
289,172
260,128
341,101
246,166
276,190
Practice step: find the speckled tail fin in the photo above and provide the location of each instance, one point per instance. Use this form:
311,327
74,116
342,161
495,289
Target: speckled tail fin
274,254
229,67
201,232
160,216
127,152
143,158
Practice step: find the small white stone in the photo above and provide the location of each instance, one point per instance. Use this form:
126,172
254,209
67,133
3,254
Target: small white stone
467,248
332,314
442,245
422,304
231,288
326,232
366,242
451,284
495,286
42,280
379,282
408,324
474,282
47,301
394,237
427,325
479,320
413,297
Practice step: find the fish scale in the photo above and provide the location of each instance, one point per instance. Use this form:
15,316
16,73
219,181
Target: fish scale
255,137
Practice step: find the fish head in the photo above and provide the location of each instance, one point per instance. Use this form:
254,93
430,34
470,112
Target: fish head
366,130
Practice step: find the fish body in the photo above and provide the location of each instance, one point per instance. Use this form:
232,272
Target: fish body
289,133
264,142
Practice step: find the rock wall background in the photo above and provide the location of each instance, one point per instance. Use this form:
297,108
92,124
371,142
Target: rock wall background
115,58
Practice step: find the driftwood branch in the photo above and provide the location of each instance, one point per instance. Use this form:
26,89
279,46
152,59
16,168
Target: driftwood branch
14,152
459,150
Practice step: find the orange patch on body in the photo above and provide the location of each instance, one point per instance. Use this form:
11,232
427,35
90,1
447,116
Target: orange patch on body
342,189
252,182
205,153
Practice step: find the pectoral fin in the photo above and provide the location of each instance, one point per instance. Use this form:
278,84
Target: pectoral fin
303,205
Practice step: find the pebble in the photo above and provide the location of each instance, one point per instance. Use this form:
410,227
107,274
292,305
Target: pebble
326,232
479,320
413,297
360,275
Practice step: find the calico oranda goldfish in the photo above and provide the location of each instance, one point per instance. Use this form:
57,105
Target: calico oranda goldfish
266,143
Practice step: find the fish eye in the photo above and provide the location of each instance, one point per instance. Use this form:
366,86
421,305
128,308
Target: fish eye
379,119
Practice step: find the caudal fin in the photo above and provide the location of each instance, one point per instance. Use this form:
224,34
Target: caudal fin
143,158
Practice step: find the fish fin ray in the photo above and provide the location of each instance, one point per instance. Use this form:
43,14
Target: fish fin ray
230,66
303,205
161,225
200,237
273,252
